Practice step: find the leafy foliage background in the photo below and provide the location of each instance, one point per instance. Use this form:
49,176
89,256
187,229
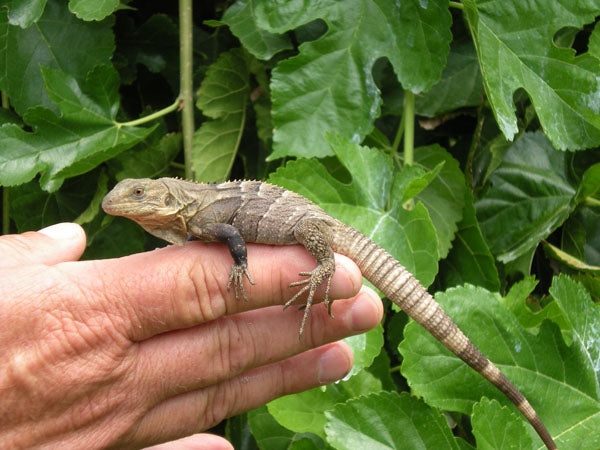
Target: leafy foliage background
493,203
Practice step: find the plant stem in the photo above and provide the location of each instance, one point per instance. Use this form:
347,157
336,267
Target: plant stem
408,117
456,5
186,94
151,117
177,165
398,137
5,204
591,201
395,368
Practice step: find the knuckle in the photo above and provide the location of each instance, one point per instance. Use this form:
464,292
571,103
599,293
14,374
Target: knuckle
205,292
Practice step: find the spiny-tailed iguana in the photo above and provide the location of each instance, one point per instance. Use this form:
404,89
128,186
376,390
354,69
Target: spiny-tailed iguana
252,211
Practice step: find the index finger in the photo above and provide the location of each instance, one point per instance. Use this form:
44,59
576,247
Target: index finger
179,287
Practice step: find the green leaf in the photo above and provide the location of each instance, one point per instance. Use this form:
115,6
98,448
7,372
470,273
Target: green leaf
514,42
445,196
94,206
85,135
470,259
31,208
58,40
413,179
590,218
569,260
93,9
365,203
583,317
305,412
238,433
387,420
241,19
223,96
150,158
590,183
530,196
329,85
153,44
497,428
461,84
365,347
270,435
23,13
542,366
116,237
517,301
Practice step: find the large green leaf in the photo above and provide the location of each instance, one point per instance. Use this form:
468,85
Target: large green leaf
370,203
31,208
470,259
583,317
461,84
24,12
515,44
153,44
150,158
542,366
223,96
58,40
241,19
529,197
305,412
387,420
498,428
59,147
444,197
270,435
329,85
93,9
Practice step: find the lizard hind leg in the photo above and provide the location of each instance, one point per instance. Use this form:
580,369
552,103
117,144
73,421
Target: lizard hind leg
310,234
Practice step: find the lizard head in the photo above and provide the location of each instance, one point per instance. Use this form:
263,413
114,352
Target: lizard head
140,199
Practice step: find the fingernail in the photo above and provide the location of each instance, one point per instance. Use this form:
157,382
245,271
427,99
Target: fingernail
365,310
333,365
65,230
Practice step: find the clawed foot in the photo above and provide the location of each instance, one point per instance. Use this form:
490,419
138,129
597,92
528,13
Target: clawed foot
317,276
236,277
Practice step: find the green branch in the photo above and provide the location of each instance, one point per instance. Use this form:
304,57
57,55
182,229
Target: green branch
457,5
408,116
151,117
591,201
186,90
399,134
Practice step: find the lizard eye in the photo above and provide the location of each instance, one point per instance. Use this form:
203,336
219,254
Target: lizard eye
138,191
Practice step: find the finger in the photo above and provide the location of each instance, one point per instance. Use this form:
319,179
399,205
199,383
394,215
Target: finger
200,441
51,245
179,287
206,407
176,362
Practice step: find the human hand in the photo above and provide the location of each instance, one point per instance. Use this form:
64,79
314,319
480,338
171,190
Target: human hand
148,348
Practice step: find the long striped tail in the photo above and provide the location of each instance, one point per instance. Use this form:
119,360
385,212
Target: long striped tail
401,287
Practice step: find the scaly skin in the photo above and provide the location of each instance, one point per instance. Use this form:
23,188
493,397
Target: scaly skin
252,211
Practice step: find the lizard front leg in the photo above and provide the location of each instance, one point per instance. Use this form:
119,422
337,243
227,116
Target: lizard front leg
223,232
312,234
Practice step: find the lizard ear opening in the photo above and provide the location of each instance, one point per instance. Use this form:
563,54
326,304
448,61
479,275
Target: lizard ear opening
168,199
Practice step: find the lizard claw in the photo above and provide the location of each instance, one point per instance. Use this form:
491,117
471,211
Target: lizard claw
317,276
236,277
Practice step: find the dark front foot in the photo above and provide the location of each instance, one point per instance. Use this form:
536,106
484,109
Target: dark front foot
236,277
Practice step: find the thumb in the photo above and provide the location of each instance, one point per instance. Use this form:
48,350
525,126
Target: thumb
50,245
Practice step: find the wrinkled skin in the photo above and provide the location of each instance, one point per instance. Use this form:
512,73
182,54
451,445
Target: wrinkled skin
149,348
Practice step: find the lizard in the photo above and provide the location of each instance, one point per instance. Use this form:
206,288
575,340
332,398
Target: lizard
237,212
